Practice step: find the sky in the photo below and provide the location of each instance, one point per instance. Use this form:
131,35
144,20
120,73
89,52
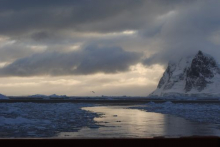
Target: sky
114,48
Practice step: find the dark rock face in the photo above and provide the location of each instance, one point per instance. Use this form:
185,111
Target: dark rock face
161,82
202,68
169,72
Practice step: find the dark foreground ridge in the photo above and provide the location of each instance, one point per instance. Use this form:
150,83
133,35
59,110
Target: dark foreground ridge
185,141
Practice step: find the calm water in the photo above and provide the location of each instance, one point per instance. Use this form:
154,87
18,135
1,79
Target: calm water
120,122
80,120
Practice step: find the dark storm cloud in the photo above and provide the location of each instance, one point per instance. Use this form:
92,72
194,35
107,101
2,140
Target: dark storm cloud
177,28
23,4
12,50
23,16
11,53
185,30
38,36
156,59
90,60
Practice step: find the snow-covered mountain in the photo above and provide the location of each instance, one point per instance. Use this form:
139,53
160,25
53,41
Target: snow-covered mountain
3,97
39,96
194,76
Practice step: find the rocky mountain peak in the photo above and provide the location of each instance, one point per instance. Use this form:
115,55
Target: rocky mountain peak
193,74
203,68
200,53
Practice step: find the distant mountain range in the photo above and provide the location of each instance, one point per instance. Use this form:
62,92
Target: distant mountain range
36,96
47,97
194,76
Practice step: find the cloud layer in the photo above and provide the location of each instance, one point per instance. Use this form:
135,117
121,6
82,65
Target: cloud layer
37,31
66,38
90,60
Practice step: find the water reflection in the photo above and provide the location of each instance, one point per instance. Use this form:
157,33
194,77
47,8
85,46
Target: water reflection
118,121
177,126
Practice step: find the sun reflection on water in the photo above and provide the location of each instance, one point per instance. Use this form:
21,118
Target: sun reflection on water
121,122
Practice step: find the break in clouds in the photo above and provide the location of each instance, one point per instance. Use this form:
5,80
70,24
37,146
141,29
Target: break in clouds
72,37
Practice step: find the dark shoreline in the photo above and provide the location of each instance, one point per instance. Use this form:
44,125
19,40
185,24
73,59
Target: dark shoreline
116,101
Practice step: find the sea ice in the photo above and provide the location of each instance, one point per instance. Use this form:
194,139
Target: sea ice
43,120
207,113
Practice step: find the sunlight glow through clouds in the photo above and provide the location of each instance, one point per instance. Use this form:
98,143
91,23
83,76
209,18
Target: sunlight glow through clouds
166,16
215,37
2,64
4,41
75,47
129,32
39,48
139,76
3,38
107,35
